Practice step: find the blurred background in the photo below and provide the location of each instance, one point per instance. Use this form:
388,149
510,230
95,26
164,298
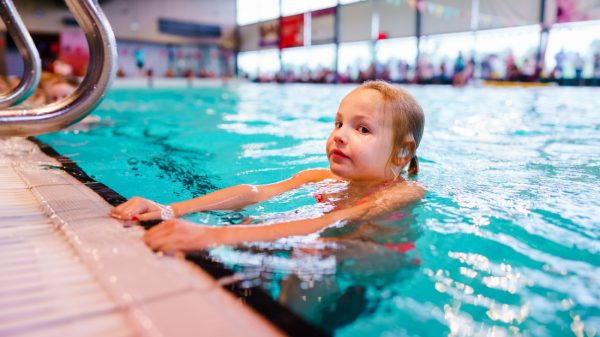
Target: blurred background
328,41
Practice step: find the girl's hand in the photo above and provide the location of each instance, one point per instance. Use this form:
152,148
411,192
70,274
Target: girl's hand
178,235
140,209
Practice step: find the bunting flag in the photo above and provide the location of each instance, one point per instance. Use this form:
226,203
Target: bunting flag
449,12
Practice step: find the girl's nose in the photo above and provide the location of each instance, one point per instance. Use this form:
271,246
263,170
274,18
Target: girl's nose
339,136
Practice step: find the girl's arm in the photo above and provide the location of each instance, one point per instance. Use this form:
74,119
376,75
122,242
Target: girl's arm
234,197
179,235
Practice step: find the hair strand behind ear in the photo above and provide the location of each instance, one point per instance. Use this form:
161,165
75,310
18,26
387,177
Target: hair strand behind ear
413,167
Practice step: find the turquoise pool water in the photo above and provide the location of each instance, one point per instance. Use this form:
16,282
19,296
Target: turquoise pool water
505,243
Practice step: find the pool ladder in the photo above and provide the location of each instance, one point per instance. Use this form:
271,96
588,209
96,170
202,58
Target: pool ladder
20,121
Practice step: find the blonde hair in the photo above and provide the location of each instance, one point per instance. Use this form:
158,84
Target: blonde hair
407,118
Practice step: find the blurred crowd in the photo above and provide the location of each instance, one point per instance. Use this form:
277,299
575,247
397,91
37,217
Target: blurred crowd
568,70
56,83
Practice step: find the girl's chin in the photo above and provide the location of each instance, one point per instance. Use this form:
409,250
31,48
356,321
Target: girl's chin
339,171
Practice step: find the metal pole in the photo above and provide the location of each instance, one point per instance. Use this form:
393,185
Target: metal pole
236,49
336,39
541,51
374,34
279,55
31,58
474,30
418,31
100,73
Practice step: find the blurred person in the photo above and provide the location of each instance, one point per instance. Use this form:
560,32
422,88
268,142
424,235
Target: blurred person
458,78
442,74
5,84
382,71
367,74
121,72
470,69
596,80
37,98
139,60
62,68
345,76
560,59
423,71
150,77
512,70
496,66
170,73
486,67
513,73
579,64
403,69
51,88
331,76
528,72
58,88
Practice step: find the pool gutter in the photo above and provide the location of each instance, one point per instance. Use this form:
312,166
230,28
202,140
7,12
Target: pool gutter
70,269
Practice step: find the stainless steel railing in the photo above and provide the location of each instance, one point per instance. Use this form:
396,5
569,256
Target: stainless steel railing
18,121
31,58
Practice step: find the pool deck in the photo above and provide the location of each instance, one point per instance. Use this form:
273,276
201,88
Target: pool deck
68,269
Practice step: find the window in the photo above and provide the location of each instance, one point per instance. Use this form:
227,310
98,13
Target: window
251,11
256,63
576,40
395,55
404,49
312,58
522,41
354,57
290,7
447,46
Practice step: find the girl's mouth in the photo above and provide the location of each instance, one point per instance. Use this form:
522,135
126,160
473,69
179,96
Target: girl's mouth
339,154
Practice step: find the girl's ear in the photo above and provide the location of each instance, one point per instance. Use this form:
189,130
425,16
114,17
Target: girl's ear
406,152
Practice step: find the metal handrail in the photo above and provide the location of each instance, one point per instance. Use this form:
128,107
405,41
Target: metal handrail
101,70
31,58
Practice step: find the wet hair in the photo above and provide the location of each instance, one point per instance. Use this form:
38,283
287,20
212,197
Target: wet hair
407,118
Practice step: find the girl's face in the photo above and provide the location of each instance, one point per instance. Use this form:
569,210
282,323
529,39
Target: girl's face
58,92
360,144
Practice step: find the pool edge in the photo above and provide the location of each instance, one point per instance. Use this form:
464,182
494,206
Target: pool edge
256,298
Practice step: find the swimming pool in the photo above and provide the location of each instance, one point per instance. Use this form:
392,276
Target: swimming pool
505,242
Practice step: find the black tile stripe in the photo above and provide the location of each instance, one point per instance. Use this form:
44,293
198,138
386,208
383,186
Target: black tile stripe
255,297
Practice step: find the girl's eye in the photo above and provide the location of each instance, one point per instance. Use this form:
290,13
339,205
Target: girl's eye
363,129
338,125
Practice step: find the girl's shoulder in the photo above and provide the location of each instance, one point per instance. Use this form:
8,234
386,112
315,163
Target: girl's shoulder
314,175
403,192
394,192
408,186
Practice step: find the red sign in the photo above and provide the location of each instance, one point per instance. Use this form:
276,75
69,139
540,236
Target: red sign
292,31
74,50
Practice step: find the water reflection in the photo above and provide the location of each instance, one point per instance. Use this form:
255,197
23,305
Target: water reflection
326,278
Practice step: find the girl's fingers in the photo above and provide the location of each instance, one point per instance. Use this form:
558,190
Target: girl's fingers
160,239
137,208
173,236
126,204
169,248
161,229
154,215
122,211
117,212
154,234
133,208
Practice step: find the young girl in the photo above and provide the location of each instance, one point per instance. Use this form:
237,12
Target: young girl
377,130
